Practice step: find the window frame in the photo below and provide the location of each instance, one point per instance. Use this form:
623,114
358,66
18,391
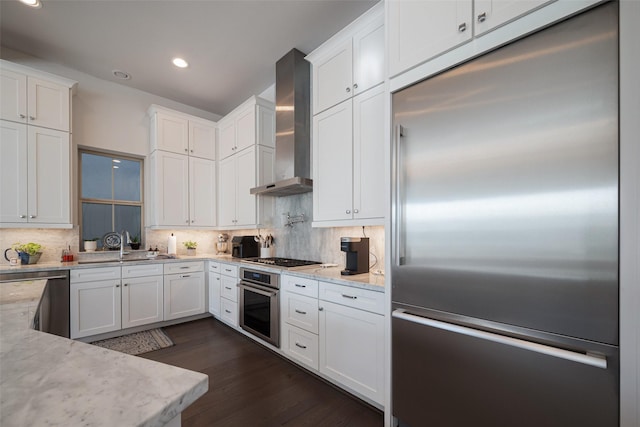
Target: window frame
112,202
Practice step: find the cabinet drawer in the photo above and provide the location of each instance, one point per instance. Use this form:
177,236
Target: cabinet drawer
229,270
229,288
183,267
141,270
229,312
300,345
359,298
299,285
215,267
93,274
300,311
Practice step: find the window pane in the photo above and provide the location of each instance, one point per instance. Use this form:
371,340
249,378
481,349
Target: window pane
96,176
126,180
96,221
128,218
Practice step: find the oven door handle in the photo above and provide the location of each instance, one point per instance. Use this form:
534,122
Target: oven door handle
261,290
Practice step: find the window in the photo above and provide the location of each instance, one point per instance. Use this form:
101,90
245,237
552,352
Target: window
110,195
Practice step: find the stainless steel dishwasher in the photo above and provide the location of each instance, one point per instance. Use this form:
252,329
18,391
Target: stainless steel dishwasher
52,314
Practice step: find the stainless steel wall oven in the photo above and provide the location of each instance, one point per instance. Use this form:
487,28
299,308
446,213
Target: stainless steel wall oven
259,304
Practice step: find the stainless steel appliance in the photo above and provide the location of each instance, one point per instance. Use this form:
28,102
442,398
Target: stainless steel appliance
505,235
357,255
52,313
293,137
284,263
259,304
244,247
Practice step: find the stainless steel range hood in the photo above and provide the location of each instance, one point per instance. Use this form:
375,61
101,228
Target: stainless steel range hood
293,146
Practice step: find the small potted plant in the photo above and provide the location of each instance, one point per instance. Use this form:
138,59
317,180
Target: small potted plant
135,243
29,253
191,247
90,245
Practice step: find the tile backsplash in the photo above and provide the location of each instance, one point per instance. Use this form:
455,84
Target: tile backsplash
299,240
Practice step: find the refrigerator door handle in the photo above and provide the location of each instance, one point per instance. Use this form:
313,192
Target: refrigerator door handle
396,212
587,359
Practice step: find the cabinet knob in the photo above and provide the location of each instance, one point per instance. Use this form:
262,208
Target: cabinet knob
32,216
22,116
462,27
23,216
31,118
126,284
192,221
356,211
117,286
355,85
187,221
320,308
185,150
482,17
348,211
348,89
191,151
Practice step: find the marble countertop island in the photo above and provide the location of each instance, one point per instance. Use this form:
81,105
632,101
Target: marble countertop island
51,380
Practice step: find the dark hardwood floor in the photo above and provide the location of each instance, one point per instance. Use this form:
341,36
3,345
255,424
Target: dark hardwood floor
252,386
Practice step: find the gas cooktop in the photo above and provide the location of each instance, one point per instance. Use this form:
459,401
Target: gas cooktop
286,263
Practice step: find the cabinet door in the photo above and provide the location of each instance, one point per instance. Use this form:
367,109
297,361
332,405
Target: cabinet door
266,122
490,14
202,190
171,180
332,163
368,155
48,104
352,349
227,138
332,77
13,96
183,295
94,307
13,172
142,301
49,173
368,56
229,312
227,192
172,133
202,139
229,288
246,179
214,294
300,345
300,311
246,128
420,30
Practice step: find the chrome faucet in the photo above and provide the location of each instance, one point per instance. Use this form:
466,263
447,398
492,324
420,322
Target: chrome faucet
124,234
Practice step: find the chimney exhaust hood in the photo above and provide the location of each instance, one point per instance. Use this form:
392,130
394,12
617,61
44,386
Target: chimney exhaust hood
293,141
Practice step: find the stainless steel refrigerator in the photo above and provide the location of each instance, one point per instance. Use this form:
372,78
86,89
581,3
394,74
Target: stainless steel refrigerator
505,235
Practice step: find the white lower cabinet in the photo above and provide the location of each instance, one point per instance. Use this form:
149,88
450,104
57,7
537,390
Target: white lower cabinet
183,295
337,330
229,294
95,301
142,301
214,288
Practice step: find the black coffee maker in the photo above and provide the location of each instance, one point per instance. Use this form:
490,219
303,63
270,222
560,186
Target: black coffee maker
357,249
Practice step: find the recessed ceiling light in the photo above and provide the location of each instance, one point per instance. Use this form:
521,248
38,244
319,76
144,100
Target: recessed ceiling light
32,3
180,63
122,75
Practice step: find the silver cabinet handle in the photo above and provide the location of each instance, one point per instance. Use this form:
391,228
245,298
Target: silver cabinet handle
348,211
300,311
126,284
183,267
587,359
356,211
193,220
187,221
462,27
227,270
227,311
301,346
482,17
22,116
23,216
226,287
185,150
349,296
32,216
185,276
31,118
118,285
355,85
320,308
348,89
297,285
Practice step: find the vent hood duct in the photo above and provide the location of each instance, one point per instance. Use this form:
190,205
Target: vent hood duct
293,156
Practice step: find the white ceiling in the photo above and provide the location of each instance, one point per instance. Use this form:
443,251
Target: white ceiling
231,45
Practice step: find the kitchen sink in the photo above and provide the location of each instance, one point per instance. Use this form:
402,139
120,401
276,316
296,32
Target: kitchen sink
114,260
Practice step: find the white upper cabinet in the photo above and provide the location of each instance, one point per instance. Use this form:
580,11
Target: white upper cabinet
35,98
350,62
202,192
490,14
251,123
420,30
182,134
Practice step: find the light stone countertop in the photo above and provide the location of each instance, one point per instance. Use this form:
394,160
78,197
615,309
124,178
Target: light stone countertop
50,380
